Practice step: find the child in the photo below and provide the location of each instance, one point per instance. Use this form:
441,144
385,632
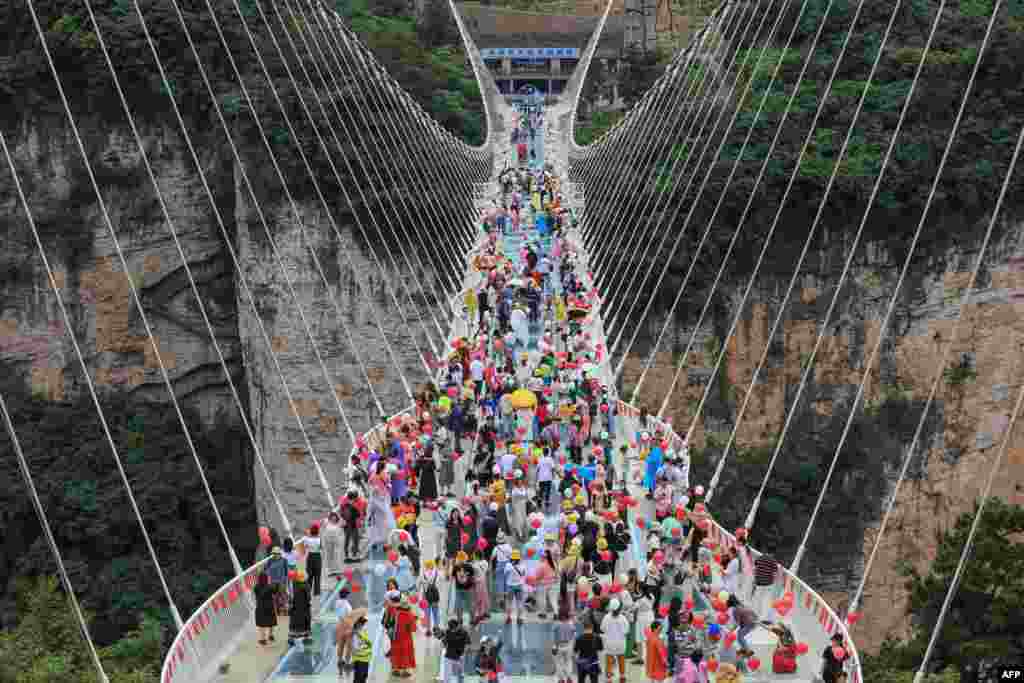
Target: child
489,660
692,669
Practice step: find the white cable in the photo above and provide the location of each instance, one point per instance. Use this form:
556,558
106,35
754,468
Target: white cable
964,302
693,207
987,492
849,261
273,158
330,161
722,195
664,172
26,474
228,242
837,62
67,318
768,237
362,165
906,264
658,213
442,268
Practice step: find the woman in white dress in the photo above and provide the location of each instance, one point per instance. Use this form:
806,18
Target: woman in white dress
332,541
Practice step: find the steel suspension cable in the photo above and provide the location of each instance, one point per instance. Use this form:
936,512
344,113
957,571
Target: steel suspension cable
359,157
853,249
906,264
986,493
233,556
837,63
383,115
700,192
237,264
644,129
685,117
903,273
713,95
175,615
664,172
309,170
753,192
749,205
30,484
615,212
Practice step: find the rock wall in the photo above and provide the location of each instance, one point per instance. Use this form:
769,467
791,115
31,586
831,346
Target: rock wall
959,440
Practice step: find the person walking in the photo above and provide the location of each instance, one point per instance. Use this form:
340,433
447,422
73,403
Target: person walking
403,653
766,569
746,621
332,545
314,558
266,615
614,628
587,650
300,618
362,651
562,650
431,594
455,641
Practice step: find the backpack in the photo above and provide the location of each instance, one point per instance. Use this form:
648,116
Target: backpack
431,594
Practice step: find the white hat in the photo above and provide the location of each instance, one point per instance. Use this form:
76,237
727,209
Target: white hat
699,490
614,605
494,507
519,474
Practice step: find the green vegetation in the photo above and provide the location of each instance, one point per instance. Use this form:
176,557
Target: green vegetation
46,644
887,393
596,126
960,373
987,612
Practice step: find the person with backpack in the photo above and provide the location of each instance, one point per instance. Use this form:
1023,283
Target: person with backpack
431,593
587,650
353,508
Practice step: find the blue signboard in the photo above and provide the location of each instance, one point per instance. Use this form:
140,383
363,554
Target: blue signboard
530,52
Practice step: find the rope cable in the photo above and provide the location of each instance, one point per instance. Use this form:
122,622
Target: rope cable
383,115
753,192
291,200
906,264
375,187
700,192
969,544
30,484
852,250
175,615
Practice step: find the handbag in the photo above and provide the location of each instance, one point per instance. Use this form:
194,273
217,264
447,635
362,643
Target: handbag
431,594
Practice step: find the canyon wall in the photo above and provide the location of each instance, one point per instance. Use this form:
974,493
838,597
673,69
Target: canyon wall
959,441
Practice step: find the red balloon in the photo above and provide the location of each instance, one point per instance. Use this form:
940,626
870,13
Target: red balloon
536,523
423,603
348,573
466,519
677,532
723,618
698,620
530,552
481,543
616,587
355,588
680,513
852,618
712,665
393,556
640,522
688,603
802,648
606,555
582,594
292,575
838,652
730,637
465,538
595,603
663,610
703,524
754,663
491,675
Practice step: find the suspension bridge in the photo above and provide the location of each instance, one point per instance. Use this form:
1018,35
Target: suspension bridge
346,107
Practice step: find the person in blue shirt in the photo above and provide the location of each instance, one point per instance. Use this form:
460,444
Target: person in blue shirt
654,460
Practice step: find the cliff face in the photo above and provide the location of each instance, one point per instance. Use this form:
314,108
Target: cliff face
39,362
959,440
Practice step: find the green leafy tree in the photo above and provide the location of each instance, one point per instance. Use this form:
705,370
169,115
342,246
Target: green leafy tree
46,645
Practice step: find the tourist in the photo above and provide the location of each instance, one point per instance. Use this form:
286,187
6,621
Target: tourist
587,649
266,616
656,655
614,629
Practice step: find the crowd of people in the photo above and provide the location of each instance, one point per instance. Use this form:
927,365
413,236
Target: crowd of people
519,457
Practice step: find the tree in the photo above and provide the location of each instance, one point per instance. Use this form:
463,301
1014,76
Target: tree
436,26
986,617
46,646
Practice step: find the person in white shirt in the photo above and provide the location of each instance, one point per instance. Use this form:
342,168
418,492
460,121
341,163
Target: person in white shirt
515,584
476,371
314,560
731,576
614,628
508,463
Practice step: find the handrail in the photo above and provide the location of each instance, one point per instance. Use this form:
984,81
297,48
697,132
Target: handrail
806,598
186,659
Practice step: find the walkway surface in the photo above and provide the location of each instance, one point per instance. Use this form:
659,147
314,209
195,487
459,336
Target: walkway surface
527,647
